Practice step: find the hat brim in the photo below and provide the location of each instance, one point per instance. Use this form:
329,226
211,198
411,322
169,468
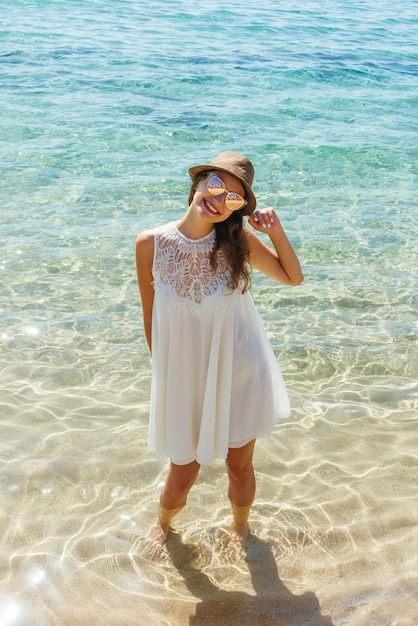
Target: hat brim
249,195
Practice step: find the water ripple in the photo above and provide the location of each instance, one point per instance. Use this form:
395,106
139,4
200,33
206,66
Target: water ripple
97,98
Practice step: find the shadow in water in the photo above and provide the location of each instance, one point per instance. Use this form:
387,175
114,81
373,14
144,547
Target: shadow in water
273,604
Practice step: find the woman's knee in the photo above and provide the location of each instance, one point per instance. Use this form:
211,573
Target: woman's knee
239,461
181,477
239,471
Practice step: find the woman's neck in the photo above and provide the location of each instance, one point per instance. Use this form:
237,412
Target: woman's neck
192,227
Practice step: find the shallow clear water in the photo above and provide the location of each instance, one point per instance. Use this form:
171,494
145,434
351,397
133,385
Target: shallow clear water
104,107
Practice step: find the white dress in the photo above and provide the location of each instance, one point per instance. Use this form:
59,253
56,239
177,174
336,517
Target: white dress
215,380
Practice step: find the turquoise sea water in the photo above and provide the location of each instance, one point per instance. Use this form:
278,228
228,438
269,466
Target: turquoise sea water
104,106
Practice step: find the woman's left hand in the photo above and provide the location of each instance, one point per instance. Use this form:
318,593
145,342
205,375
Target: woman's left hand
264,220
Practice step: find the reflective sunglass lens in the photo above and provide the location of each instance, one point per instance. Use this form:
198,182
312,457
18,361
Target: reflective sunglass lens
234,201
216,186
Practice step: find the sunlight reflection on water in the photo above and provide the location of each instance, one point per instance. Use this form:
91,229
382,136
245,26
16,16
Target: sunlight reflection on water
104,111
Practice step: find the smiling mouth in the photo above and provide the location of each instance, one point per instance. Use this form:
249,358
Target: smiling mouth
209,207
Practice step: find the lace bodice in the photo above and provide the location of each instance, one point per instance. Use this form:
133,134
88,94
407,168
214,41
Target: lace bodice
183,265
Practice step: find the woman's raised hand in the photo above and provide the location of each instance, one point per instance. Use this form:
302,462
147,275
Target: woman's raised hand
264,220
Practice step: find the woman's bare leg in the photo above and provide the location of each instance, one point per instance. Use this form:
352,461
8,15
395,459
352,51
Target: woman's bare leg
241,492
179,481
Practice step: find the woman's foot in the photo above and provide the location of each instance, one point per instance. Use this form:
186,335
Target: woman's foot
240,526
155,540
239,538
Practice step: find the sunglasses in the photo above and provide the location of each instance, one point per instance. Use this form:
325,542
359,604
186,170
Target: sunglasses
233,200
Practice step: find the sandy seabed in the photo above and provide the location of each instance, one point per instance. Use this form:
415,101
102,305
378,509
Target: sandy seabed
334,536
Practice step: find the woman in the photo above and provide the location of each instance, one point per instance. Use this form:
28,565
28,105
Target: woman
216,385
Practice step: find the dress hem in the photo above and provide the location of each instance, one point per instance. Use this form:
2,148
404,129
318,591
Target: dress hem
206,462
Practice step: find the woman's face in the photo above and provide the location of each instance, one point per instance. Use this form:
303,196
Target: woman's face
213,207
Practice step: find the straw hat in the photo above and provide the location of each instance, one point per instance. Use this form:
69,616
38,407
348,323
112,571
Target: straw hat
237,165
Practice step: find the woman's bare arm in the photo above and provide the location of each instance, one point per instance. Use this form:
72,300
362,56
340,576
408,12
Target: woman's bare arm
144,260
280,264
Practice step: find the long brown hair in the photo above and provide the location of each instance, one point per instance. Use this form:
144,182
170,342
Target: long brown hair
230,237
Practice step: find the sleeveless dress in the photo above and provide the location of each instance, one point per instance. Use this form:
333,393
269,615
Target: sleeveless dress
215,380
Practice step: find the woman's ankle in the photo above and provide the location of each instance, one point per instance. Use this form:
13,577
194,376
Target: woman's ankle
165,516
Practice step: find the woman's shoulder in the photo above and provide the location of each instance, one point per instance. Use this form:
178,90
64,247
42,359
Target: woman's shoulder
151,240
147,237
